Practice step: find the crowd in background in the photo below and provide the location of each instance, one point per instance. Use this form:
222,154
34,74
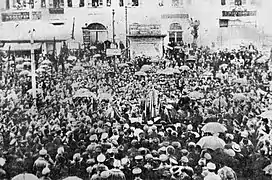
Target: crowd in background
202,118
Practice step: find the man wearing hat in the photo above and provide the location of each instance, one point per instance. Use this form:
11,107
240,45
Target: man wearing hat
40,163
184,166
226,173
163,167
212,172
137,173
45,174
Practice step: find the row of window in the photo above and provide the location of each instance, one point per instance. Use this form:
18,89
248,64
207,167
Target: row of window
29,4
238,2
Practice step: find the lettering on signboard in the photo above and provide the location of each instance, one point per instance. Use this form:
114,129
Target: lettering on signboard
175,16
238,13
56,10
145,29
15,16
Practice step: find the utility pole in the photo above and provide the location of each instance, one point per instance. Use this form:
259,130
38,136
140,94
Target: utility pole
126,21
33,74
113,27
113,37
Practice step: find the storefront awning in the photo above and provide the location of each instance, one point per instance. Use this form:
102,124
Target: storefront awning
20,32
147,35
20,46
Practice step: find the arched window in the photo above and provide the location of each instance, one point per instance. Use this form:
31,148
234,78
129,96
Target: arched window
223,2
175,32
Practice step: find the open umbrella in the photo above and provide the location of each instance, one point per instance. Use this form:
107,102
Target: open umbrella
191,58
84,94
93,47
240,81
239,96
46,62
146,68
78,68
123,65
24,72
207,74
211,142
72,178
19,66
155,60
71,58
30,74
82,91
25,176
172,70
140,73
96,55
223,66
39,91
167,72
214,127
26,63
196,95
184,68
266,114
262,59
105,96
40,70
44,66
268,169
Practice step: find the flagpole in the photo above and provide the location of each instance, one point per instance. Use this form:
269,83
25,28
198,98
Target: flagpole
73,29
32,57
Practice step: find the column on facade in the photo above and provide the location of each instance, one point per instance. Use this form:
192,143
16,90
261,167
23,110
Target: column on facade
37,4
86,3
11,3
127,2
75,3
176,36
48,3
65,3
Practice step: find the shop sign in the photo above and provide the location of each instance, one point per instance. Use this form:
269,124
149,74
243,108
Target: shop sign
238,13
15,16
56,10
113,52
145,29
36,15
86,36
21,16
175,16
223,23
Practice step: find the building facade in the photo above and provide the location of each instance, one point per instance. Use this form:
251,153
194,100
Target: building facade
94,20
172,15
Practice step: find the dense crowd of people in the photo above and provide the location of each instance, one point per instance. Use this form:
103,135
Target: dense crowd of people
203,117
